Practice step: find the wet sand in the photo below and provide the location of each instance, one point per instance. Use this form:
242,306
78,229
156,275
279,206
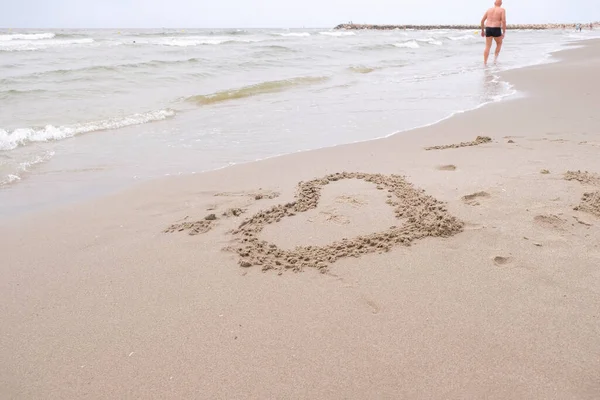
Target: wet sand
431,264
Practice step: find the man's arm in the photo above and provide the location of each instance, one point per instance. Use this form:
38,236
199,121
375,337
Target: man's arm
483,23
503,22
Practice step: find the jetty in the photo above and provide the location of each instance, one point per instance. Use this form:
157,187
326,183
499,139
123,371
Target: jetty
352,26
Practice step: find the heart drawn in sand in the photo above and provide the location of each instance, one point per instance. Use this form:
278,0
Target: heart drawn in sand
419,216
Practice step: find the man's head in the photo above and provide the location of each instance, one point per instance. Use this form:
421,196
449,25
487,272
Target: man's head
498,3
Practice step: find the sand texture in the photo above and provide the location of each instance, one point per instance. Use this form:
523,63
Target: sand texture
586,177
372,270
590,201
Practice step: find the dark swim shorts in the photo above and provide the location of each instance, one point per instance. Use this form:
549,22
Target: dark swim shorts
493,32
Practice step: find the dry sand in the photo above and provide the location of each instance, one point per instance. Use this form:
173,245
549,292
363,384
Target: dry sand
361,271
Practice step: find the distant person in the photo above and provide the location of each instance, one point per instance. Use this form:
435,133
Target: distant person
493,26
577,28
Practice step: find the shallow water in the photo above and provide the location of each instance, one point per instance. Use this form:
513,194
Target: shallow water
88,111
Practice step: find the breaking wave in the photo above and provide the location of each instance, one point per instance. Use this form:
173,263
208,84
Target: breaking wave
14,173
26,36
40,44
10,140
188,41
411,44
292,34
432,41
463,37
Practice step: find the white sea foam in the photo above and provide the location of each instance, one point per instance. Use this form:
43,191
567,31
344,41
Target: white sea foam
18,171
188,41
38,44
411,44
463,37
20,137
432,41
294,34
337,33
586,35
26,36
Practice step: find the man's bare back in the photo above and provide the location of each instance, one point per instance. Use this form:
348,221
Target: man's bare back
493,27
495,16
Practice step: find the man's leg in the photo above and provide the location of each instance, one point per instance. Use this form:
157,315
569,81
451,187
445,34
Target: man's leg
486,52
498,47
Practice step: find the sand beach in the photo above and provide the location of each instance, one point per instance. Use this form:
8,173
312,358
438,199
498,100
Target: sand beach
458,260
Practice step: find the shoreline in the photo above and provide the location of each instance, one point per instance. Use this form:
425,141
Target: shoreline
111,189
148,293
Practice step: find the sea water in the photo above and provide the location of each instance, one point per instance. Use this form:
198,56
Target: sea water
84,112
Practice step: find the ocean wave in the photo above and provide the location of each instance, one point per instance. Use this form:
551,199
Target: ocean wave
64,35
188,41
271,54
9,94
411,44
255,90
28,78
440,74
13,174
26,36
23,136
341,86
186,33
361,69
432,41
38,44
374,47
463,37
292,34
338,34
233,32
278,48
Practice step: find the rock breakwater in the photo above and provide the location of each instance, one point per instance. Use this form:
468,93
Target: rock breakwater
352,26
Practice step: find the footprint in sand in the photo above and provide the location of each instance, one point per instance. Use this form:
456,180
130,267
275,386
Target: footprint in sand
373,306
472,199
500,260
193,227
204,225
550,221
449,167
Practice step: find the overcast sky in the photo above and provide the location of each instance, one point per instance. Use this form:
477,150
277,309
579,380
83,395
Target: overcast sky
277,13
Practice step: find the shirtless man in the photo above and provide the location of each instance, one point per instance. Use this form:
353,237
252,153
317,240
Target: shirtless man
493,26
